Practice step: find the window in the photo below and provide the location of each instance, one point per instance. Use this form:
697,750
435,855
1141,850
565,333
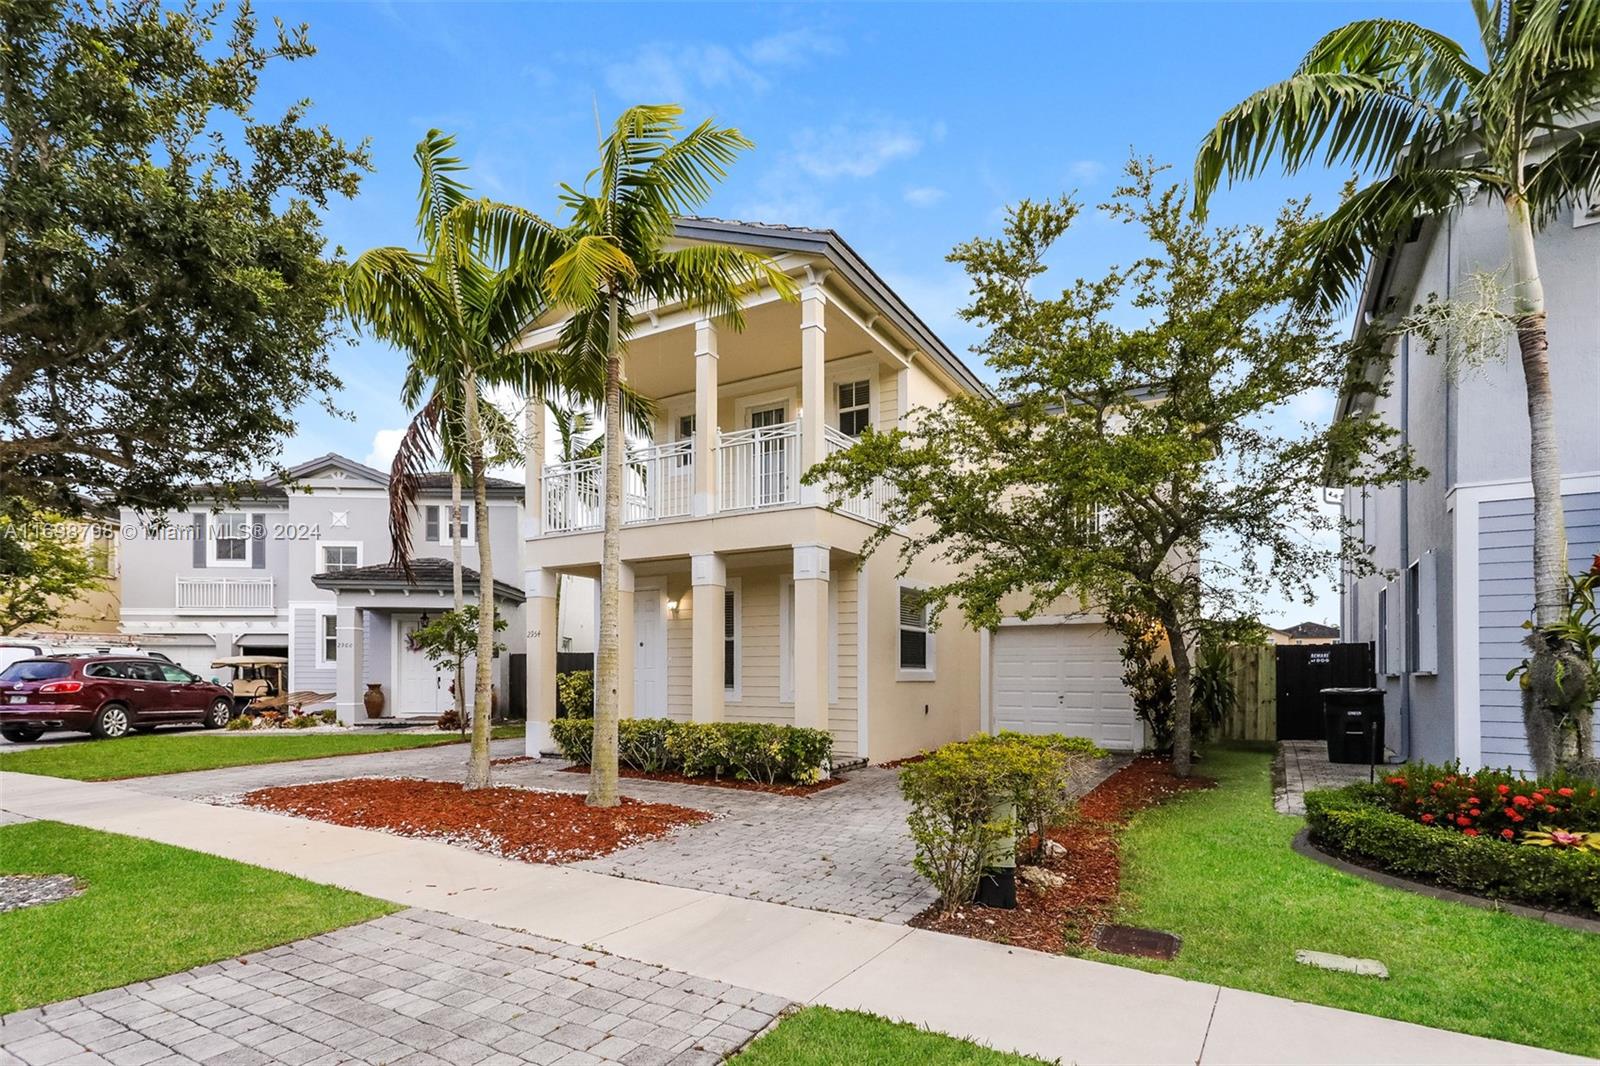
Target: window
855,407
327,637
1586,212
686,432
437,517
176,674
916,644
26,670
332,558
730,641
230,539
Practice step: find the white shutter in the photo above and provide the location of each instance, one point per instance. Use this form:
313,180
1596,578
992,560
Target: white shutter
1394,651
1427,614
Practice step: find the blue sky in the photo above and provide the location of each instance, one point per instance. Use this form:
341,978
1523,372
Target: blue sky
905,127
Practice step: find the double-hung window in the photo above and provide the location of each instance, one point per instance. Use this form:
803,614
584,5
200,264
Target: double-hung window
336,557
230,539
437,523
916,639
855,407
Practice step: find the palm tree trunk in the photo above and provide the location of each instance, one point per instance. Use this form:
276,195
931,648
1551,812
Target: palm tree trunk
1544,457
1182,695
603,761
482,685
460,600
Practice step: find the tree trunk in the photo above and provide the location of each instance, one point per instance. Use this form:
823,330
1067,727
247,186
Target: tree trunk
1182,696
603,761
460,600
1549,522
482,683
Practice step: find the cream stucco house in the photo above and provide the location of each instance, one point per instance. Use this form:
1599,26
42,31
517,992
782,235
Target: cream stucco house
744,597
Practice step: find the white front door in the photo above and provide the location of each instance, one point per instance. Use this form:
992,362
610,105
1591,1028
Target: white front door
772,471
1063,679
650,656
421,688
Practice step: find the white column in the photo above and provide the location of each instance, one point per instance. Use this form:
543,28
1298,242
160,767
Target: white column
349,647
705,417
533,477
626,642
709,577
811,635
543,642
813,400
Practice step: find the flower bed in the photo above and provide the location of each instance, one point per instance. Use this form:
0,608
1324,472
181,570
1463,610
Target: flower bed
1497,803
743,751
1361,823
716,782
513,823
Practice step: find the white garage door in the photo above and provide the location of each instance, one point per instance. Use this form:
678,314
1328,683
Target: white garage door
1063,679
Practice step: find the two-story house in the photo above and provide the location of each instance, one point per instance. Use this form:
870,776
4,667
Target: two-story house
744,596
1455,551
301,569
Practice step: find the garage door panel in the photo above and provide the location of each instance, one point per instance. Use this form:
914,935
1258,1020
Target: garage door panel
1063,679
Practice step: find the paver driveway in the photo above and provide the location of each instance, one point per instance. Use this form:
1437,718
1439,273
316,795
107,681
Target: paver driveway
411,989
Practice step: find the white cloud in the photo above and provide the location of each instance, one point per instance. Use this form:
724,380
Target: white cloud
842,151
663,71
385,443
924,195
790,48
1086,170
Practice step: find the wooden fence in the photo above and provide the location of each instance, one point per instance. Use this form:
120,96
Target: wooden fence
1255,678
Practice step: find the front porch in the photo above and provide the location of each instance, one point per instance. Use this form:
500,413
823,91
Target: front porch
770,635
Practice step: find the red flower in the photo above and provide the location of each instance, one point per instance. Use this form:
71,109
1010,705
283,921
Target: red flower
1549,809
1463,821
1469,832
1594,568
1518,818
1563,791
1503,789
1427,819
1538,797
1521,801
1474,800
1507,833
1475,812
1397,781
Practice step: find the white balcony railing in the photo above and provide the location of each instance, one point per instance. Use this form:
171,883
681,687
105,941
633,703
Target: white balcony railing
660,482
759,467
572,497
225,594
867,505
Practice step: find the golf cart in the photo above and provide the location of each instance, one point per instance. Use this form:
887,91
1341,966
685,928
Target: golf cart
260,682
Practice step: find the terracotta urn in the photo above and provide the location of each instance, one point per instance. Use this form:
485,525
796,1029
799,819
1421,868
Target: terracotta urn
373,700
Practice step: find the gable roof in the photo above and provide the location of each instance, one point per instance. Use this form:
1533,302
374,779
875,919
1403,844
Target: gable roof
1310,631
278,487
827,244
427,574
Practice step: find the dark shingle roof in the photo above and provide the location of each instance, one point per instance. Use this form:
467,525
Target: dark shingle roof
427,573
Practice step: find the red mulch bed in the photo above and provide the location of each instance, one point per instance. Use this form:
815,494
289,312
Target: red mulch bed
511,760
514,823
895,764
719,782
1063,918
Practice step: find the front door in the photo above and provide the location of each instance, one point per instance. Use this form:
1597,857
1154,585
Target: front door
422,689
772,467
650,656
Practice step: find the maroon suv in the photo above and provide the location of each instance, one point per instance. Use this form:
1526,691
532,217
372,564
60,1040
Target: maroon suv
106,695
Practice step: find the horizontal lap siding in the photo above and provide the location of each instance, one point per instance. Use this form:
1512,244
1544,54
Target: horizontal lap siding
1505,601
758,649
680,676
842,719
306,674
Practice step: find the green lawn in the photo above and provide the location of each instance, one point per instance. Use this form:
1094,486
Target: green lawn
144,756
148,909
1216,868
820,1036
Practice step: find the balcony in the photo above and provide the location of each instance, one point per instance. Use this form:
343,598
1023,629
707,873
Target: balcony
224,595
756,469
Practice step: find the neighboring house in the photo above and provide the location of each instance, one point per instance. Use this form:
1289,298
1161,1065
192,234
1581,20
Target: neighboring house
1456,549
1305,633
743,597
301,569
94,611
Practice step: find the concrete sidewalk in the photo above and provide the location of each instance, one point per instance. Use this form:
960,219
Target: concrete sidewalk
1047,1005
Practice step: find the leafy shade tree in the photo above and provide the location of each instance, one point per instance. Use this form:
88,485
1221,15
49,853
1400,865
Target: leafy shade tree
1149,471
166,300
1393,98
450,641
44,565
456,316
610,261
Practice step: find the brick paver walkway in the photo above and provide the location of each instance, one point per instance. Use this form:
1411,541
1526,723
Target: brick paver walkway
415,988
1302,765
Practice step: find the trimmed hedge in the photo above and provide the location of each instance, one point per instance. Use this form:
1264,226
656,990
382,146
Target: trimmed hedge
1354,822
746,751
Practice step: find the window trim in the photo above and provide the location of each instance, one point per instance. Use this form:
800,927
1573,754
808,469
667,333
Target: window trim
735,588
469,526
928,672
839,409
323,662
321,559
213,526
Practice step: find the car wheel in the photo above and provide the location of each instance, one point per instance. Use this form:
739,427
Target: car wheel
111,722
22,736
219,715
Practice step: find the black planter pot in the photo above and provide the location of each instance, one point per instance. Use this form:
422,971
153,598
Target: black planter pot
997,888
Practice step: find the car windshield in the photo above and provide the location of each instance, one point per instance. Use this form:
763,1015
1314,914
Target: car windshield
33,670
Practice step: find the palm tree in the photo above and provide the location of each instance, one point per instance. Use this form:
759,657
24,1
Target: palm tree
1394,98
575,424
608,263
456,316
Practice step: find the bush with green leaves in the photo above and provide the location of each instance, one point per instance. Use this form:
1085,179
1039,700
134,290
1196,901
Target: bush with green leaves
575,693
1357,823
239,722
764,753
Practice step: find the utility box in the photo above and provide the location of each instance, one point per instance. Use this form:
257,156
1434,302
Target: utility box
1353,718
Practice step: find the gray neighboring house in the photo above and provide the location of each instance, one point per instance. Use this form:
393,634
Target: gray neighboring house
301,570
1446,620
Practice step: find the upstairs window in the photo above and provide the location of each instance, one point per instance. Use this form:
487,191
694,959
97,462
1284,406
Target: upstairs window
337,557
230,542
686,432
915,644
437,517
855,407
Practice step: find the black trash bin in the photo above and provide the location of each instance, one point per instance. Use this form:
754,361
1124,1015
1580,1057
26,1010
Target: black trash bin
1353,718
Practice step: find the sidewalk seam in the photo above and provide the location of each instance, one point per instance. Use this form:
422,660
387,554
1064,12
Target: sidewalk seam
874,957
1210,1021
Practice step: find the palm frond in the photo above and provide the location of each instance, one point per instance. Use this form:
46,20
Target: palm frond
1568,176
685,172
418,447
441,190
586,268
714,278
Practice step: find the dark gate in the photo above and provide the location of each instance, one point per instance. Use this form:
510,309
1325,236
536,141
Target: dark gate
1304,670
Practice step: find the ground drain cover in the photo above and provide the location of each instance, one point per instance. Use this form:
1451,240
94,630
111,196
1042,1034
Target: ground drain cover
1131,940
1342,963
32,890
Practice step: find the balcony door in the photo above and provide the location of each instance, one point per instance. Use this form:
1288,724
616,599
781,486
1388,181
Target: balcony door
772,456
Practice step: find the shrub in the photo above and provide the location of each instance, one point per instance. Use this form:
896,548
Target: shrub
1058,742
760,752
301,721
1489,802
450,722
243,721
329,716
953,820
1356,822
268,720
575,693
